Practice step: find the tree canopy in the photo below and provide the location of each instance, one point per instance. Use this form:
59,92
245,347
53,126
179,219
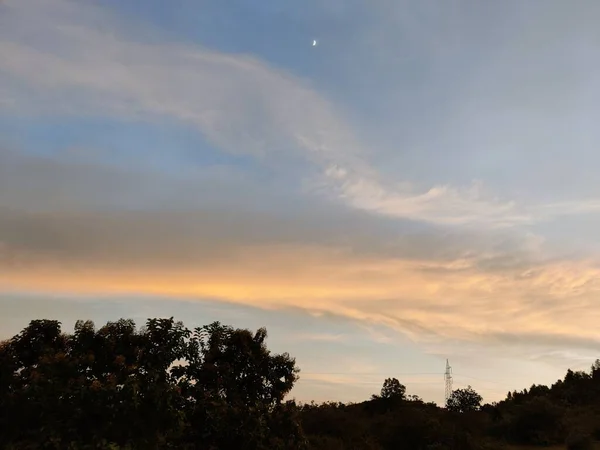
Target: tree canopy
211,387
464,400
214,387
392,388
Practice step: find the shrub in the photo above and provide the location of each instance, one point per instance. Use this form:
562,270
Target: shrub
579,441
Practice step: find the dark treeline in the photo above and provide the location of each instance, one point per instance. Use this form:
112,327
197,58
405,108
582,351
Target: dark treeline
216,387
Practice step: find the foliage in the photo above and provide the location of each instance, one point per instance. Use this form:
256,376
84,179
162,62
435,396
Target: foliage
579,441
565,412
159,387
393,389
464,400
537,421
217,387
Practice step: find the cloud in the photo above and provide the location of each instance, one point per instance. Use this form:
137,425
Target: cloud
239,103
319,337
425,281
73,226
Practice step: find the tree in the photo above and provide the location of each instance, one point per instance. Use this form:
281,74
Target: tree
392,388
233,380
537,421
579,441
463,400
214,387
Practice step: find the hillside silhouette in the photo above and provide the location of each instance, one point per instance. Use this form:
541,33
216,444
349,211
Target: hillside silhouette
217,387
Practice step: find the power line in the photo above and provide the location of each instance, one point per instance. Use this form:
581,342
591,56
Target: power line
367,383
481,379
369,373
453,376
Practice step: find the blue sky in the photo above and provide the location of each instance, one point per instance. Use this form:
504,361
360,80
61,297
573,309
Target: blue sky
420,185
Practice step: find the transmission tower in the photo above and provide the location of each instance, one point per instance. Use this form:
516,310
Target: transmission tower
448,378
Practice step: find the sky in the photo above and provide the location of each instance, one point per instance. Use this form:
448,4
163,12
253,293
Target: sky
421,185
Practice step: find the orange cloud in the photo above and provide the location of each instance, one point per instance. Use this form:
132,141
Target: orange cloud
453,299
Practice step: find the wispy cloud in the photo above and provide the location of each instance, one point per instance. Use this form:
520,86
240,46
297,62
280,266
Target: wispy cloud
424,285
61,57
67,227
319,337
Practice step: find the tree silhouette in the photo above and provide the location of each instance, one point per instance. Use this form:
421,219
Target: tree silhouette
463,400
392,388
214,387
164,386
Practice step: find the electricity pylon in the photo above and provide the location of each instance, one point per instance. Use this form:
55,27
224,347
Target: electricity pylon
448,378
